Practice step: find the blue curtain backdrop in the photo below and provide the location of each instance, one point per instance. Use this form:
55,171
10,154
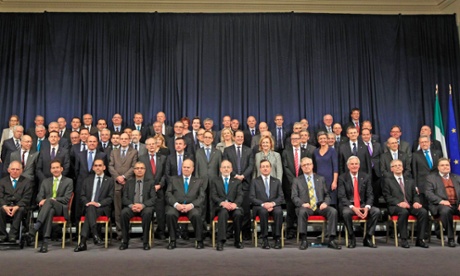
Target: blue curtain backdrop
300,65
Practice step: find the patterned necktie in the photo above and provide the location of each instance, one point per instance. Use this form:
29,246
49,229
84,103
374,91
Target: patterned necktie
356,198
98,189
311,193
267,187
152,164
55,184
179,165
186,185
369,148
226,185
401,184
428,159
296,162
90,160
355,151
138,192
53,153
60,133
15,182
17,144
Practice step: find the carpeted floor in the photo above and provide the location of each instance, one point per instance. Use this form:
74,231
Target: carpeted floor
185,260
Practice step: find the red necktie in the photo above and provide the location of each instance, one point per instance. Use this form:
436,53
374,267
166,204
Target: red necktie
356,200
152,164
357,127
296,162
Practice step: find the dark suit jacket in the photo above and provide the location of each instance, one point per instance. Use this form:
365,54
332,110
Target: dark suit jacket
257,193
63,194
176,192
288,162
148,193
247,163
310,149
403,146
248,137
106,192
20,196
420,168
31,165
385,161
81,164
435,190
205,169
375,158
346,191
171,164
145,132
286,134
159,177
8,147
349,124
435,145
363,155
393,194
190,149
35,143
44,161
235,191
301,195
66,134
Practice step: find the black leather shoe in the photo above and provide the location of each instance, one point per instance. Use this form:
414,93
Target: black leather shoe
290,236
220,246
367,241
451,243
303,244
277,244
80,247
352,242
123,246
239,245
334,245
199,245
146,246
171,245
421,243
265,244
405,244
44,248
97,240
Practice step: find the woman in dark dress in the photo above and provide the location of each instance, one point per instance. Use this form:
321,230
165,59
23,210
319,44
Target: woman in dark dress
162,149
326,164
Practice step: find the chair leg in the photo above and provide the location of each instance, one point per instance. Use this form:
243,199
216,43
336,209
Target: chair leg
79,231
254,236
323,232
298,235
107,234
36,240
412,232
213,234
63,234
396,233
346,236
441,231
282,235
150,234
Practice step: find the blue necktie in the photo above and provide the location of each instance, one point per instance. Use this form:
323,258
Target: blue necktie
355,152
252,133
179,165
39,145
15,182
53,153
280,139
428,159
226,185
186,185
90,160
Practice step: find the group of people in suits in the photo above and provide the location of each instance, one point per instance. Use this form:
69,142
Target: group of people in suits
180,174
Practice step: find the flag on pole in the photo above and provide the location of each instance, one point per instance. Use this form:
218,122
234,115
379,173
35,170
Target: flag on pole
438,125
454,152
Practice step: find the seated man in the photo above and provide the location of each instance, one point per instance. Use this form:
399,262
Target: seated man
266,195
53,198
356,197
403,200
227,197
443,194
15,195
310,196
97,198
138,199
184,195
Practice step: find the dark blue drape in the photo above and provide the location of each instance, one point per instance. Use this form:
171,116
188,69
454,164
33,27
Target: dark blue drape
300,65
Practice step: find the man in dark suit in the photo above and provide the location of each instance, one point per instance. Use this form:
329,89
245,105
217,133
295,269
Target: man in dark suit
10,145
355,121
38,121
185,195
392,154
96,198
263,127
155,165
292,155
101,125
53,199
40,136
178,128
64,132
353,147
426,131
227,197
137,144
443,195
166,130
63,142
114,144
121,168
327,124
296,128
279,133
75,123
339,138
403,200
175,160
311,197
374,149
52,150
305,144
76,148
251,131
226,124
104,140
15,196
356,197
404,146
117,123
28,159
88,124
138,125
242,161
138,199
266,196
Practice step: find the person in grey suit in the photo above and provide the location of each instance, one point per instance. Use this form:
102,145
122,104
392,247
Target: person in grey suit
121,168
266,196
404,146
136,143
7,133
15,195
443,195
267,152
403,200
97,198
185,195
138,199
311,197
53,199
256,138
394,153
28,158
11,145
357,201
227,197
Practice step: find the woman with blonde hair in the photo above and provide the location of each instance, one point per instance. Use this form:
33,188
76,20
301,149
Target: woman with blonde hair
267,152
226,138
162,149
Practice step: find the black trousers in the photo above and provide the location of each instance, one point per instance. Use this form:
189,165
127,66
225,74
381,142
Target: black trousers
223,216
194,215
127,214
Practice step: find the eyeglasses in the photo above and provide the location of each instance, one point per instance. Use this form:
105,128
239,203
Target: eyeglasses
139,168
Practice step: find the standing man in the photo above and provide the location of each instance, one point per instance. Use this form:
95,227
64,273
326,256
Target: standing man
75,124
138,125
53,199
117,123
137,144
426,131
28,159
355,194
64,132
40,136
121,168
251,131
227,197
394,153
11,145
354,148
311,197
396,133
266,197
52,150
96,198
355,120
138,199
326,126
166,130
374,149
88,124
38,121
279,133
